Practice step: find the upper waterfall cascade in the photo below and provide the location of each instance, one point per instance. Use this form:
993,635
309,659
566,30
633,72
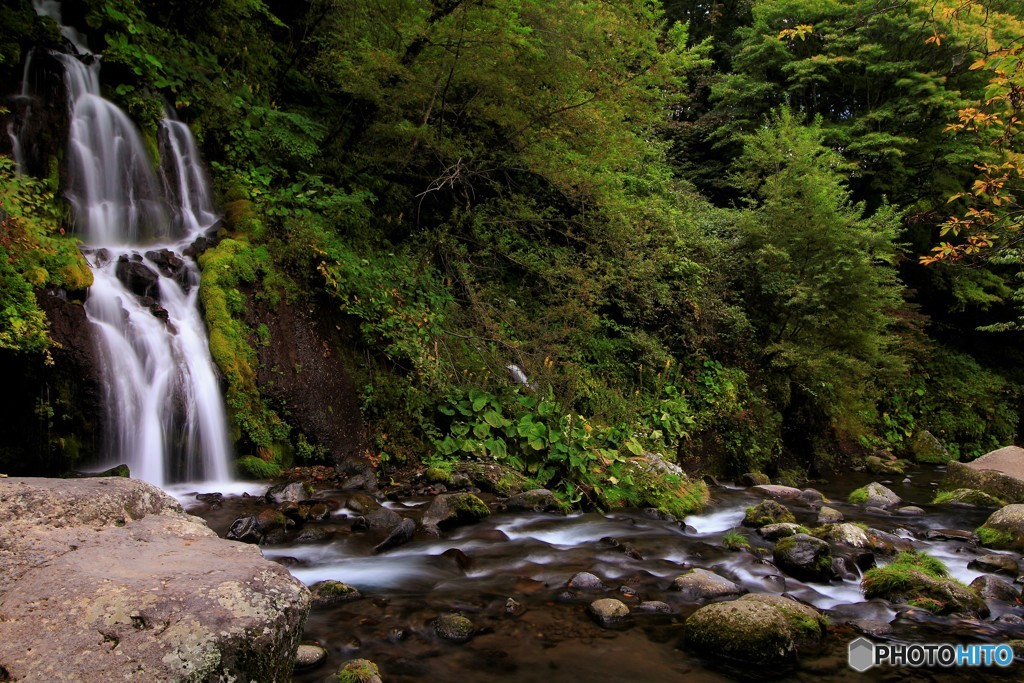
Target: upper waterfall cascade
163,404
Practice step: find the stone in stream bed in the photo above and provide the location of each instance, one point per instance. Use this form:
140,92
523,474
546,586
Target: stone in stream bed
309,655
698,585
999,474
453,509
919,580
875,495
994,588
995,564
535,500
846,534
877,465
970,497
756,629
454,628
329,593
753,479
804,557
293,491
399,535
767,512
774,532
827,515
585,581
608,611
1004,528
358,671
777,492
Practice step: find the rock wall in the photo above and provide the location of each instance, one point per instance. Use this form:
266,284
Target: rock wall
110,580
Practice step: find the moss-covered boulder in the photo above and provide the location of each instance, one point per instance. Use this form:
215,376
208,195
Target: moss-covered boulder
804,557
660,484
916,579
359,671
1004,528
877,465
967,497
608,611
756,629
534,500
774,532
845,534
493,478
329,593
767,512
454,628
454,509
875,495
982,476
927,449
753,479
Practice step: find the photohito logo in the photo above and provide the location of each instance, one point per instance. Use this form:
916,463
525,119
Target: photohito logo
863,654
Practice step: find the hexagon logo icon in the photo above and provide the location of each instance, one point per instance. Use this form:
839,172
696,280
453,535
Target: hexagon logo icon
862,655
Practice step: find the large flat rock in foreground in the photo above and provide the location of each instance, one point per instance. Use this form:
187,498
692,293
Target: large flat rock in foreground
110,580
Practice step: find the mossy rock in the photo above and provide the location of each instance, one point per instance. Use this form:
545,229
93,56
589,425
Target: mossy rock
438,475
454,509
928,449
767,512
753,479
662,485
804,557
251,467
1004,528
359,671
967,497
495,478
454,627
992,482
877,465
916,579
328,593
874,494
754,629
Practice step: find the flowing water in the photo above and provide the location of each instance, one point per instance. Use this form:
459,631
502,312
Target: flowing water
165,416
530,558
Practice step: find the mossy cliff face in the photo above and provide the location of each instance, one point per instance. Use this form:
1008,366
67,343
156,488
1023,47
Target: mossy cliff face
148,590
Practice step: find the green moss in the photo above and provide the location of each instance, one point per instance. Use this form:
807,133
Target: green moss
734,540
468,506
359,671
438,474
767,512
967,497
858,496
255,468
923,581
994,538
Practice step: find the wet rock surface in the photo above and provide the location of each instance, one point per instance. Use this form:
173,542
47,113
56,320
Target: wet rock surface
148,591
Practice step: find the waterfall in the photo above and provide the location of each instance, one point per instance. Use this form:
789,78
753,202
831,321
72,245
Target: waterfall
164,411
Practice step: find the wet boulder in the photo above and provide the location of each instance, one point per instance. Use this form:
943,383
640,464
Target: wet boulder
995,588
878,465
767,512
875,495
399,535
916,579
1004,528
454,628
699,585
999,474
827,515
246,530
846,534
755,629
309,655
329,593
608,611
926,448
804,557
967,497
170,265
139,278
292,491
774,532
995,564
777,492
454,509
663,486
753,479
534,500
585,581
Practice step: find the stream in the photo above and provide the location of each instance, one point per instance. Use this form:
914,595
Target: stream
530,557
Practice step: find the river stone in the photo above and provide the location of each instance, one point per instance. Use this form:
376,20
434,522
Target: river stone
454,627
585,581
777,492
926,448
972,497
994,588
827,515
293,491
654,607
999,474
359,671
400,535
753,479
453,509
774,532
951,535
908,580
804,557
847,534
813,497
608,611
139,278
884,543
877,465
308,656
767,512
1004,528
328,593
148,592
755,629
910,511
535,500
698,585
875,495
995,564
246,530
378,519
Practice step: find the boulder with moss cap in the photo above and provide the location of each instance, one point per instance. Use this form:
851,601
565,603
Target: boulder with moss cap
359,671
916,579
1004,528
755,629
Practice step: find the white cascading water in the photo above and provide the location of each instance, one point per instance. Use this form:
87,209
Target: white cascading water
165,412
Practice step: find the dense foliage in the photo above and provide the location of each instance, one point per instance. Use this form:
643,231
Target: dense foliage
700,239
